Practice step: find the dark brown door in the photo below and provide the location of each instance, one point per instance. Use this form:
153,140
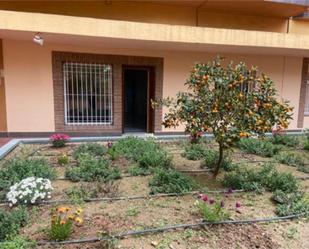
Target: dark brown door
138,90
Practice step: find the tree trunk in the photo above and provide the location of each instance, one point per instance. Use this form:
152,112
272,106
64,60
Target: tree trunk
218,166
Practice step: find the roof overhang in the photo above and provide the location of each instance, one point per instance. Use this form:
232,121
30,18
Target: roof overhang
98,32
269,8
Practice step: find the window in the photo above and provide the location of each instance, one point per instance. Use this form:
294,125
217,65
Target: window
87,93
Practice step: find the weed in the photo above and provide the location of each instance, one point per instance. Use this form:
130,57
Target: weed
86,191
63,160
132,211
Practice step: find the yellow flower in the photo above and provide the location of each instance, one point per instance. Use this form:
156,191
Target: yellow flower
71,217
79,220
79,211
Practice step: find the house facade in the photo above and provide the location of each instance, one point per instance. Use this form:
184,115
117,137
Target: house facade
92,67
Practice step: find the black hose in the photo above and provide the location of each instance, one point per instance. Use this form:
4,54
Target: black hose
173,227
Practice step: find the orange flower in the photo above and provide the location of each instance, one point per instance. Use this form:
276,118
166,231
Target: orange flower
62,222
61,209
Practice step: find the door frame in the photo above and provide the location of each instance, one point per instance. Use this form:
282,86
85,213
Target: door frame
150,94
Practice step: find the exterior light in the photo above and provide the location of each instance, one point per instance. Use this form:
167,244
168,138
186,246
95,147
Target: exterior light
38,40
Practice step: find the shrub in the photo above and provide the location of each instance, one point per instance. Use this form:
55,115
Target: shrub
15,170
138,171
211,158
92,169
62,221
63,160
259,147
87,191
211,210
59,140
93,149
17,242
170,181
290,204
283,139
146,153
30,190
291,159
257,180
10,222
306,144
194,151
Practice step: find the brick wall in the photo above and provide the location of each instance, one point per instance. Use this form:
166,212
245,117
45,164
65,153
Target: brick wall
117,61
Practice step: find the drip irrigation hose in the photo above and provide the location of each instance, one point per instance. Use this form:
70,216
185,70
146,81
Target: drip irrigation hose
137,197
174,227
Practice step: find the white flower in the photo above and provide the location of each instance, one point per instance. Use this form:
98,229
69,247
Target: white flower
29,190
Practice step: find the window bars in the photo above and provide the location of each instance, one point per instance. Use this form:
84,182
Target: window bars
88,93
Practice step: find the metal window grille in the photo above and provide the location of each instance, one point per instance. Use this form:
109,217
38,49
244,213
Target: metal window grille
88,93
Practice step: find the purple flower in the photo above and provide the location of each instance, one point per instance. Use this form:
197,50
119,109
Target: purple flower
230,191
222,204
237,205
211,201
205,198
109,145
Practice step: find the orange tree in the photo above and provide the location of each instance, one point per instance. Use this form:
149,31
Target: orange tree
230,102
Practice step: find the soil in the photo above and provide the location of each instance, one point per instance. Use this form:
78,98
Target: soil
125,215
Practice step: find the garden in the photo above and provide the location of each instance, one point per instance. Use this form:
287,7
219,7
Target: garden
229,184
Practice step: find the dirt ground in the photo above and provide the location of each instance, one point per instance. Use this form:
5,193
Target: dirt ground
126,215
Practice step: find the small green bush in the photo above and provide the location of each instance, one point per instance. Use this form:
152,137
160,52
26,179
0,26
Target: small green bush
306,145
63,160
259,147
212,212
15,170
266,178
11,221
211,158
138,171
194,151
92,169
93,149
290,204
306,142
17,242
287,140
145,152
290,158
171,181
